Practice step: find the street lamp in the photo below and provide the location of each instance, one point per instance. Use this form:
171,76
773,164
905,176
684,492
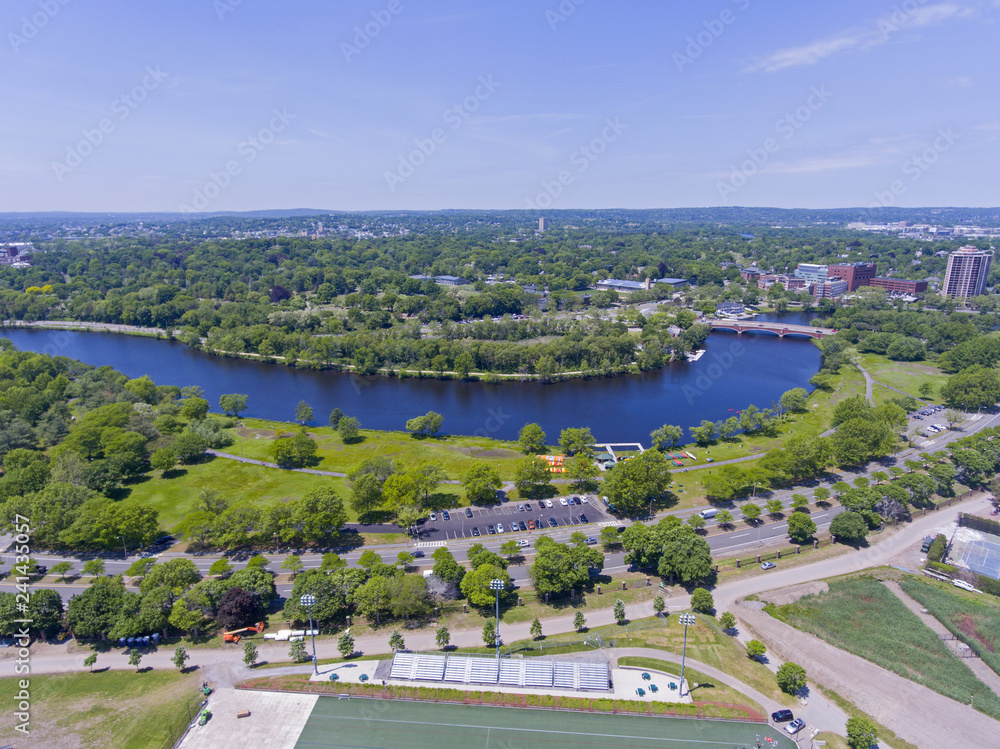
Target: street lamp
498,585
275,543
754,495
123,546
309,600
686,620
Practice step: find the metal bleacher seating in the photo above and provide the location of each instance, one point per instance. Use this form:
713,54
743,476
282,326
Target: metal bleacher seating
534,673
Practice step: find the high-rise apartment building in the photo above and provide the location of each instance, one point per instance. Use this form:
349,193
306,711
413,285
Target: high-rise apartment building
968,268
543,224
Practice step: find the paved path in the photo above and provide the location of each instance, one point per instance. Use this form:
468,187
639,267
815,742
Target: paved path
914,712
983,672
868,385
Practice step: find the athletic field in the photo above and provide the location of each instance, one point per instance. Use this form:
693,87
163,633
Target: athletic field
379,724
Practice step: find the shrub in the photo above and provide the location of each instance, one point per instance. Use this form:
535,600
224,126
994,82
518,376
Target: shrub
702,601
936,551
791,678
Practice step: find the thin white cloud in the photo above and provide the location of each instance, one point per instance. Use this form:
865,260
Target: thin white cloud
962,81
874,35
827,164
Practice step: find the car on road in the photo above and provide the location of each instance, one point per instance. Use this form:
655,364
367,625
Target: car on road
433,516
418,554
562,501
553,522
523,543
491,530
767,565
795,726
446,515
468,512
548,503
591,540
781,716
475,532
521,525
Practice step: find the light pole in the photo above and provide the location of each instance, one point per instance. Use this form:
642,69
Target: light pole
497,586
686,620
308,600
754,495
123,546
276,543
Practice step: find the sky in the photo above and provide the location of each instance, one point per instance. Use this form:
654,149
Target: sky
236,105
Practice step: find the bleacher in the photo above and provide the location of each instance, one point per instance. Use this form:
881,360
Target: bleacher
534,673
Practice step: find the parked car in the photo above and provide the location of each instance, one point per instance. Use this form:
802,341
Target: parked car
527,506
562,501
548,503
541,505
795,726
521,525
446,515
768,565
468,512
433,516
499,527
475,532
553,522
781,716
531,525
520,508
583,518
491,530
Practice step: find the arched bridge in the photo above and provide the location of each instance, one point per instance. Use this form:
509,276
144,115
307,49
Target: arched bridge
778,329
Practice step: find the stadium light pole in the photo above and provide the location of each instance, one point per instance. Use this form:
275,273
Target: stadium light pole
686,620
497,586
309,600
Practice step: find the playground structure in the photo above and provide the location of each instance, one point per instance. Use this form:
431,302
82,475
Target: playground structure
236,634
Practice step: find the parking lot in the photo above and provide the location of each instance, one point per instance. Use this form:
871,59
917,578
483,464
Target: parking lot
464,522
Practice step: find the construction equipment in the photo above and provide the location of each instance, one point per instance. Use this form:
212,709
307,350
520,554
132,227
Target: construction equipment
204,716
236,634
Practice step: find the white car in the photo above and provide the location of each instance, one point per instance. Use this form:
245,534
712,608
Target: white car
433,516
562,501
548,502
523,544
499,527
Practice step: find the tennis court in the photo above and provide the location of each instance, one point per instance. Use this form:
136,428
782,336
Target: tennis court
381,724
983,556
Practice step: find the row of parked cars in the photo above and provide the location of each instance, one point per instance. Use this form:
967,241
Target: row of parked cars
139,642
926,411
795,724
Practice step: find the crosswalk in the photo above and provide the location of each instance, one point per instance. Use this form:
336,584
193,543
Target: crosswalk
607,523
431,544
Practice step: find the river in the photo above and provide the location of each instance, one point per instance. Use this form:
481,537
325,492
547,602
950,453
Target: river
734,372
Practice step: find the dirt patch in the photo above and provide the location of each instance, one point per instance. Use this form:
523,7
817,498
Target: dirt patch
967,625
254,434
492,453
785,596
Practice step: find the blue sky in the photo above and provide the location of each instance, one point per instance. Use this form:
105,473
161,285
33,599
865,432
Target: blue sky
398,104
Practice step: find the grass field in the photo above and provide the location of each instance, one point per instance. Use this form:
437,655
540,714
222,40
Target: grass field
862,616
367,724
972,617
118,709
905,376
703,688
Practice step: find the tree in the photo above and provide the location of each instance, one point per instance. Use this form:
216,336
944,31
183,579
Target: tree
404,559
481,483
801,527
582,469
61,569
233,404
238,608
331,562
684,555
531,476
610,537
727,621
475,585
666,437
724,518
659,605
849,528
396,641
366,494
702,601
751,512
862,733
531,439
579,621
705,434
303,413
369,559
135,658
791,678
335,416
345,644
373,599
427,425
536,629
925,389
821,494
349,429
220,568
163,460
794,400
194,409
620,611
561,567
93,567
799,501
634,484
176,573
188,447
489,633
297,652
442,637
972,388
89,661
755,649
953,418
180,658
250,654
696,521
576,441
292,563
509,548
774,507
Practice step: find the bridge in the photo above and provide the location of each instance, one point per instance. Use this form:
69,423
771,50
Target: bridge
779,329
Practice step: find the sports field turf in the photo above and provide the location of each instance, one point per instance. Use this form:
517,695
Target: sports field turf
378,724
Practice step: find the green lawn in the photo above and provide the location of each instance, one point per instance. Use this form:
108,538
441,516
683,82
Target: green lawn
862,616
905,376
972,617
120,709
703,688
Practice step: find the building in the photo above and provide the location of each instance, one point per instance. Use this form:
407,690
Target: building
626,287
442,280
543,224
856,274
830,289
899,285
968,268
730,309
812,272
750,274
675,282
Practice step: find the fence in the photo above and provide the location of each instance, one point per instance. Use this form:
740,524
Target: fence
984,525
737,563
